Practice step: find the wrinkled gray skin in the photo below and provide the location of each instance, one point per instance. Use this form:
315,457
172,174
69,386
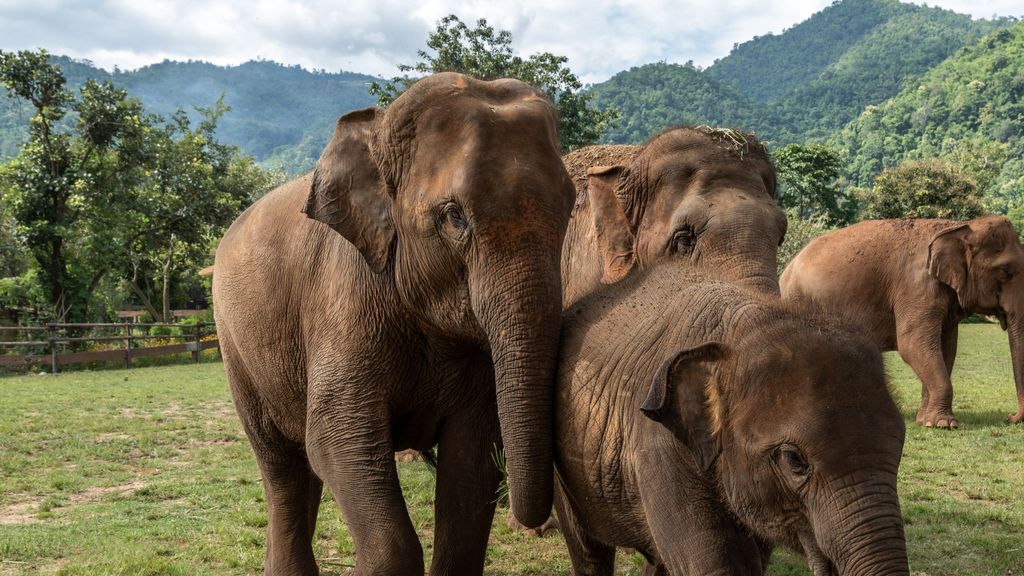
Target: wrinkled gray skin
910,283
676,395
691,196
431,246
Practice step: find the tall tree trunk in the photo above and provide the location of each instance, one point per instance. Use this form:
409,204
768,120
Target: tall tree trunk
167,280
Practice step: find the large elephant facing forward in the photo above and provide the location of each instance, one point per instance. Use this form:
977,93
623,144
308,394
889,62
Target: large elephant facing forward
427,271
912,282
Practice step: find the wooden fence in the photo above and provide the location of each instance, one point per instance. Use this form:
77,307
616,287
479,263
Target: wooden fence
57,344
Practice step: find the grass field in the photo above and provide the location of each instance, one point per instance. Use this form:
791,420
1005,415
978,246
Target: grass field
147,472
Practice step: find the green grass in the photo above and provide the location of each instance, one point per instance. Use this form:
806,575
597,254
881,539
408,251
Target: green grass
147,472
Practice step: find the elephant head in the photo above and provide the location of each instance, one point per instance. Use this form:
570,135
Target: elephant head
702,196
804,440
457,190
983,263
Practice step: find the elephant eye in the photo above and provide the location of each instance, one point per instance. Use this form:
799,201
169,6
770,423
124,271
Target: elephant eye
791,460
453,220
683,240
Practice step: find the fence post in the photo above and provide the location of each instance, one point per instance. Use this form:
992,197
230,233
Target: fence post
128,347
51,337
197,336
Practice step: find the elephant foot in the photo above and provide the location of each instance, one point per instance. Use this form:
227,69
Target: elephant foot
937,419
548,527
1016,418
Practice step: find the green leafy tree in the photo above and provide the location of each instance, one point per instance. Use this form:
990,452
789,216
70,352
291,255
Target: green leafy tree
102,190
60,171
923,189
808,178
192,189
486,53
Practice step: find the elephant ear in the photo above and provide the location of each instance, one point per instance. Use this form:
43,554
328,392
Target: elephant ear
949,260
614,234
348,193
681,396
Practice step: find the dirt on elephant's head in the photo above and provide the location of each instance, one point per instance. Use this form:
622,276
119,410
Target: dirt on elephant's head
580,160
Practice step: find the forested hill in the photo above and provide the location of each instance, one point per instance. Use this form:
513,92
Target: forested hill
656,96
768,67
284,114
969,108
803,84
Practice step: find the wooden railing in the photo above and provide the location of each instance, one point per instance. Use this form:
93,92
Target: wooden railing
57,344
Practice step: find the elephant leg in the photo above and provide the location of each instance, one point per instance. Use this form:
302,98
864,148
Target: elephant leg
466,492
348,442
589,556
950,334
289,484
921,344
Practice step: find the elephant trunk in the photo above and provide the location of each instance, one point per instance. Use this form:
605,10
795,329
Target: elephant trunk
1015,330
521,320
864,536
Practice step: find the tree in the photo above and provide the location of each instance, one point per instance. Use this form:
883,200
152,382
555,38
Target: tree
193,189
923,189
487,54
117,192
58,172
808,175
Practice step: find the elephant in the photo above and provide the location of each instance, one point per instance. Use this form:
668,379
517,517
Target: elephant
407,293
685,404
700,197
911,282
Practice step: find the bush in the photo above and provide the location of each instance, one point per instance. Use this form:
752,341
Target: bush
799,233
923,189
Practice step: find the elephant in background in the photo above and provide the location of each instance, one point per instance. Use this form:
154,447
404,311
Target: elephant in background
418,304
911,282
683,401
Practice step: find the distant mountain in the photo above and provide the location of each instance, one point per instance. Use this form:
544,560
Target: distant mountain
801,85
878,66
656,96
974,99
280,114
840,65
768,67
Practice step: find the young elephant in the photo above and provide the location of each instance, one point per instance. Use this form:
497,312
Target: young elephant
677,395
912,282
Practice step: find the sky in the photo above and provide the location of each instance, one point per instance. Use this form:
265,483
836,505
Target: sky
600,37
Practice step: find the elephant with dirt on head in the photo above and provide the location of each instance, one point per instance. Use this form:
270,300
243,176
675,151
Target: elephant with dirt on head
685,404
702,198
911,282
416,302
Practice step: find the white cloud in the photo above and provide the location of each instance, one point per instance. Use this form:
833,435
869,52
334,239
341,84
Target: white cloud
600,37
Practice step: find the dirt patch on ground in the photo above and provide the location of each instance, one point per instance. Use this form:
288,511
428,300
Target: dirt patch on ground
94,494
25,508
21,511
